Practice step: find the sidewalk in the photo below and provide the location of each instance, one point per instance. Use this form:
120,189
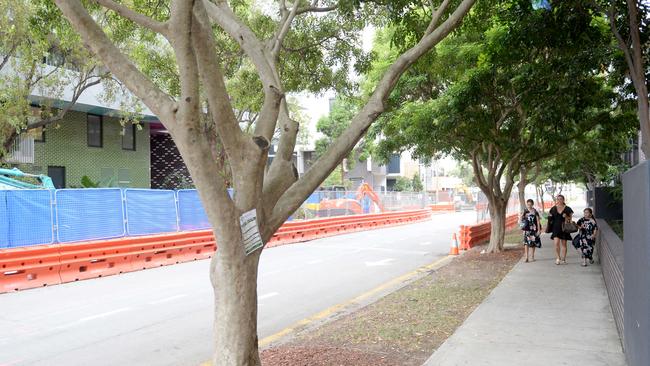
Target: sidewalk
540,314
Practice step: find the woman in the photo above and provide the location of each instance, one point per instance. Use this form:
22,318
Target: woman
557,215
531,229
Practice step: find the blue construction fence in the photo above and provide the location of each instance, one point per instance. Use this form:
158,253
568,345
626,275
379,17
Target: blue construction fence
33,217
36,217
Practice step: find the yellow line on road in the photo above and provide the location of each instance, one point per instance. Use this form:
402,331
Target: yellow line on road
336,308
339,307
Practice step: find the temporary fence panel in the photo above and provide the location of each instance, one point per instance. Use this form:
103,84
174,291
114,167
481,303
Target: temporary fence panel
30,211
4,221
191,215
150,211
89,214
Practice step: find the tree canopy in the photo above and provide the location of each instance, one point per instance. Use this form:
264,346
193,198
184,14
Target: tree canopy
525,88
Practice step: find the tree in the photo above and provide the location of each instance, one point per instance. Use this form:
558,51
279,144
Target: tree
464,171
41,55
530,83
332,127
416,183
295,47
629,24
402,184
525,178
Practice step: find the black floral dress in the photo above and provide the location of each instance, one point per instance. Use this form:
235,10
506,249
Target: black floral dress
531,236
585,240
556,219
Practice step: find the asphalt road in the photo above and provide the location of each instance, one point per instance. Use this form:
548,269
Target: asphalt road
163,316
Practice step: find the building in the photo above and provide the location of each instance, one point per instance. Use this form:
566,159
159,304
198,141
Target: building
87,143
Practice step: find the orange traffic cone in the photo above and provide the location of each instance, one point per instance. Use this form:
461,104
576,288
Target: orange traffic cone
454,245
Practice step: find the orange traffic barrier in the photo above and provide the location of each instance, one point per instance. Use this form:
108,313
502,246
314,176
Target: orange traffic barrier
29,267
454,245
473,235
295,232
442,207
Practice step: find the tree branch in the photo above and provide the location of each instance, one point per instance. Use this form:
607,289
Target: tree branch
79,89
622,45
285,25
210,71
300,190
8,55
435,17
282,173
315,9
135,17
158,102
222,15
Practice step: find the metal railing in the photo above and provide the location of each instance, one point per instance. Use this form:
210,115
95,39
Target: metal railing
22,150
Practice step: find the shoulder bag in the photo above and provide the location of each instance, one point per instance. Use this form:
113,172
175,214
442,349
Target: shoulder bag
569,227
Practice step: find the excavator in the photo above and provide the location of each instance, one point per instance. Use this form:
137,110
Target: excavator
349,206
8,180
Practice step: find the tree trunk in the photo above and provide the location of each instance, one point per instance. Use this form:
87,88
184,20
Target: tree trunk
521,186
539,190
497,225
235,299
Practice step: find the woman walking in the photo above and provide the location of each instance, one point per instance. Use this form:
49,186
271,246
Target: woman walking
585,241
558,215
531,226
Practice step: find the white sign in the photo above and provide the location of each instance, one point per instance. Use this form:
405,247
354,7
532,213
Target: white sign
250,232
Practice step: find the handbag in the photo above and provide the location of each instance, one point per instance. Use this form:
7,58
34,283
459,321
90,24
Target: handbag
569,227
523,224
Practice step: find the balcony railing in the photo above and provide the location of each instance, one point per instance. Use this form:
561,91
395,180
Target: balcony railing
22,151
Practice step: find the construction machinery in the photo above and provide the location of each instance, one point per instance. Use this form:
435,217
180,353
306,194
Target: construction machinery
16,179
463,197
360,204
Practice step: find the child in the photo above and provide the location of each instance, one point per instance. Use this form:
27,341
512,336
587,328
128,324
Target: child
586,238
531,228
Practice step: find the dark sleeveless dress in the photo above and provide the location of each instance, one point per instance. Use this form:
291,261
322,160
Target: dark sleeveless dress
557,220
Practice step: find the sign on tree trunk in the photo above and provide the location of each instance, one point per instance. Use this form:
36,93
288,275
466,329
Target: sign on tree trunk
250,232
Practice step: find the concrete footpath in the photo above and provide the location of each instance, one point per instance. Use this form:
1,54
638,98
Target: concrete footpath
540,314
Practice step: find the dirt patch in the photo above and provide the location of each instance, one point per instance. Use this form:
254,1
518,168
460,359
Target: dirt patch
404,327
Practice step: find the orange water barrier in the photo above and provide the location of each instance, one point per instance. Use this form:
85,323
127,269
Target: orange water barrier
473,235
442,207
43,265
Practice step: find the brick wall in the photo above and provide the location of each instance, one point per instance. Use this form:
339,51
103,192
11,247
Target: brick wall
66,145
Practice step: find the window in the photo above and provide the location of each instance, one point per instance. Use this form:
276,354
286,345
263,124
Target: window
57,173
128,137
94,130
394,164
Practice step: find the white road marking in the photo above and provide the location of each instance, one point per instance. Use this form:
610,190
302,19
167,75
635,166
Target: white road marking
383,262
167,299
103,315
316,261
263,297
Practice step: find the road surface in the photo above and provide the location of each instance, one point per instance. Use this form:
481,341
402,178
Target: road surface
163,316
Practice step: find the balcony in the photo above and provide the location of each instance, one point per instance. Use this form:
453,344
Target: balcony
22,151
